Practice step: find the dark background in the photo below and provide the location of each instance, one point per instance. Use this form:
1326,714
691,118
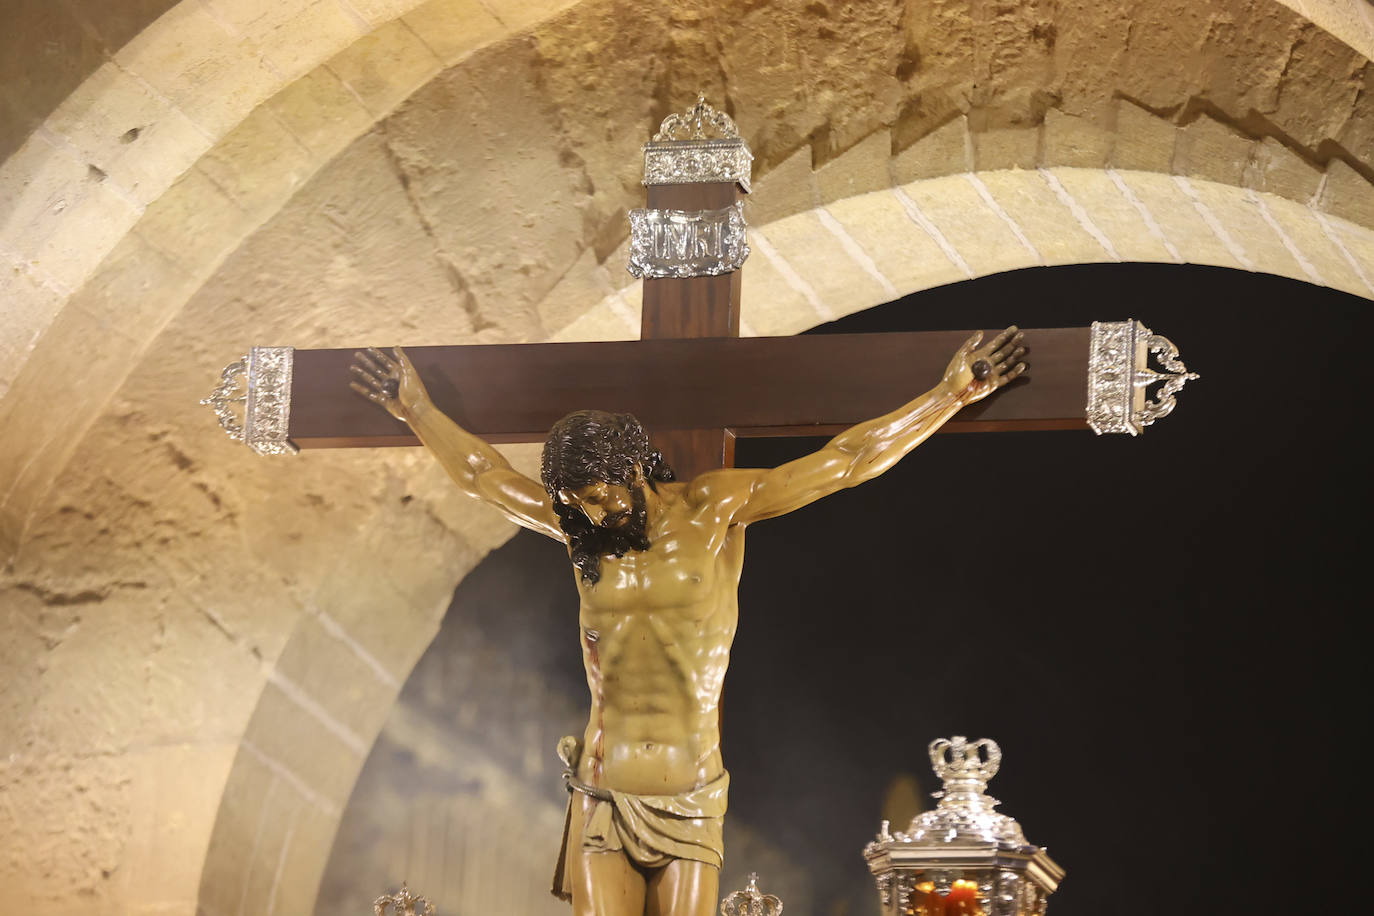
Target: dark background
1163,633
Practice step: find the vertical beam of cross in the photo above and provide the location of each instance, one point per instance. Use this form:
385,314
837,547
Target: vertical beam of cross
693,307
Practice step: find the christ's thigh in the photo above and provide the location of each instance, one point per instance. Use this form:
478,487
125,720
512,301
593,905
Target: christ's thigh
603,883
684,888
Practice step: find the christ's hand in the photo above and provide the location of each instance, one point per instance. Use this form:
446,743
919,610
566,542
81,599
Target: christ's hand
389,380
977,373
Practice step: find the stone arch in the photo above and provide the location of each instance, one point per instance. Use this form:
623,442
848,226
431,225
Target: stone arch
310,589
813,266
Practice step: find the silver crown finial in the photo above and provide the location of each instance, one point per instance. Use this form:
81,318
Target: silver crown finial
700,122
751,901
959,760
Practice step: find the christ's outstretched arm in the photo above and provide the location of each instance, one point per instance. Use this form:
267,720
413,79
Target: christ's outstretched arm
479,469
864,451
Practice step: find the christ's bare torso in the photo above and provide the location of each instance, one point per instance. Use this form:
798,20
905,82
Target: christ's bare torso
656,634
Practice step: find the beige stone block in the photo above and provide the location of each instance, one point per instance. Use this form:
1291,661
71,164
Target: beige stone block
195,222
1347,194
37,184
379,621
478,145
293,738
68,245
202,684
862,168
1113,214
1357,133
477,523
1178,220
1311,240
1320,88
377,12
611,319
137,288
29,307
1005,148
1074,141
1144,141
843,283
252,793
453,28
1046,221
258,17
259,163
518,15
903,251
771,305
1360,243
618,261
312,34
57,213
1245,224
261,883
385,67
321,112
787,188
175,796
136,137
420,558
975,231
326,669
1277,169
304,860
213,74
944,151
582,287
1208,149
71,366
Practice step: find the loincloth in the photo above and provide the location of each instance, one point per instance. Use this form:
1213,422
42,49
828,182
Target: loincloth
651,830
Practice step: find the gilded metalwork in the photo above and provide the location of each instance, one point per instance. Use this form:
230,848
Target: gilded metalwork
687,243
751,901
1119,376
404,903
698,145
261,382
963,856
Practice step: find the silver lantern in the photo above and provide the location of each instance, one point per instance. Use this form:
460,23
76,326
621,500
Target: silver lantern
962,858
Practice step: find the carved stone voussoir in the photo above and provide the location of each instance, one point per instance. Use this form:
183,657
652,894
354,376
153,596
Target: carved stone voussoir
1119,374
687,243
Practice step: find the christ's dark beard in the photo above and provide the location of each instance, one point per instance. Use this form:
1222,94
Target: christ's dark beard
588,543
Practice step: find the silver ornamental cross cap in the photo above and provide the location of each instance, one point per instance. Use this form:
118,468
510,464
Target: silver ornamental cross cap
699,145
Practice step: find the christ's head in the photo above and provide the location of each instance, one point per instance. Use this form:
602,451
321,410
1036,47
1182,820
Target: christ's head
595,467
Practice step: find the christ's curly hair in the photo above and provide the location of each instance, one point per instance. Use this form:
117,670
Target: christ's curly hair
593,446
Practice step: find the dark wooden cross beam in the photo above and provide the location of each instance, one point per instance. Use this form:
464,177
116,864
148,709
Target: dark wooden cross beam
692,381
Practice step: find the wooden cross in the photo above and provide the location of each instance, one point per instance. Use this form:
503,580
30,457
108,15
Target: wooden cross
692,381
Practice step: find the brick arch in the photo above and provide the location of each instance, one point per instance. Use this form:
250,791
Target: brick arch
310,588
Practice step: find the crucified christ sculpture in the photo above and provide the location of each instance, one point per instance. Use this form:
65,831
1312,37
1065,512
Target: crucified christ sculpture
657,563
